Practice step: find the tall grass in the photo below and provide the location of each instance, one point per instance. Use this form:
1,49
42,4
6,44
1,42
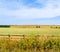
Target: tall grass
31,44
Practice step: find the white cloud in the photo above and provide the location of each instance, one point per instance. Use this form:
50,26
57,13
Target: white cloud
51,9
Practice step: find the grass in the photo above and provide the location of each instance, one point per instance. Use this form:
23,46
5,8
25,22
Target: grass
32,44
29,31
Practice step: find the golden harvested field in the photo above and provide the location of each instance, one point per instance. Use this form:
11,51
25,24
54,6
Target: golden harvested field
30,31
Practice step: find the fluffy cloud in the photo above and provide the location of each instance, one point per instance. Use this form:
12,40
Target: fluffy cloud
51,8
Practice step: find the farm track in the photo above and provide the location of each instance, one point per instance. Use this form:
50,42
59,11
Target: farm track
14,37
19,37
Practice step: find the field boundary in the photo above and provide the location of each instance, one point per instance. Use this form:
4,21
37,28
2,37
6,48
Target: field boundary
24,36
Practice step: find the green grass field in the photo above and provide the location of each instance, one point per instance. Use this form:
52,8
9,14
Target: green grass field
29,31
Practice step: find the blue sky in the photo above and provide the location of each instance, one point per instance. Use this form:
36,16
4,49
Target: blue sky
21,12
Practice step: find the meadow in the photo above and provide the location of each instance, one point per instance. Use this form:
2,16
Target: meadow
45,39
31,44
30,31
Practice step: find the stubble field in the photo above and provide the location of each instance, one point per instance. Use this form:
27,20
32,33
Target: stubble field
30,31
